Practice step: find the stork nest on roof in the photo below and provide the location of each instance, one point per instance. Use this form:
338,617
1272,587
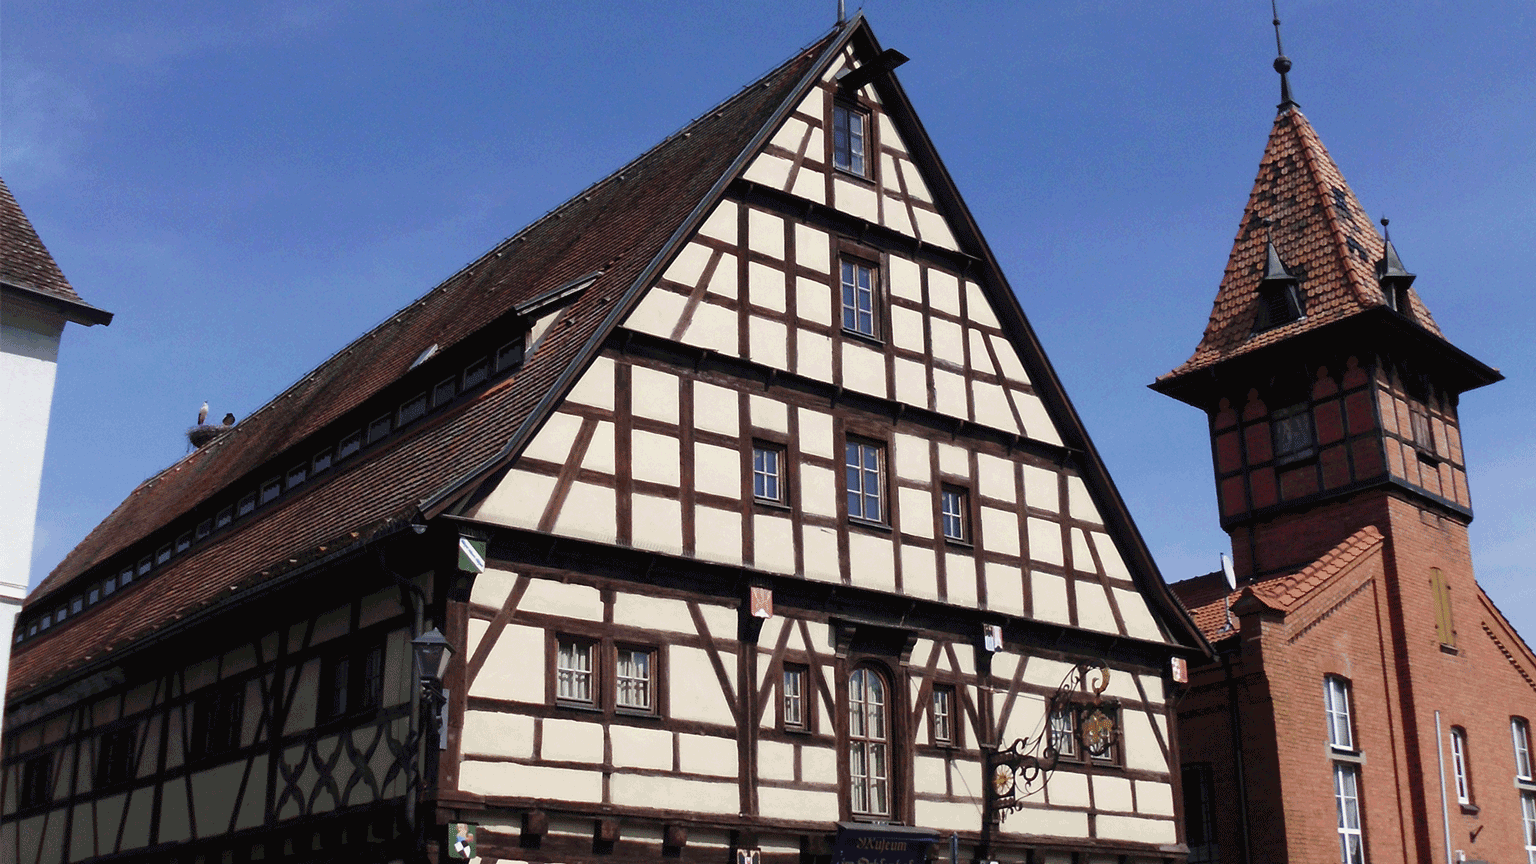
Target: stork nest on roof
202,434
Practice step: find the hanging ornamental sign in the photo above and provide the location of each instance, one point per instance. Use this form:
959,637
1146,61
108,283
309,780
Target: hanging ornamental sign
1077,724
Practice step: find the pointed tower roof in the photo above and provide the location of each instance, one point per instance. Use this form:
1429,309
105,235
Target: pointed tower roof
1320,232
27,269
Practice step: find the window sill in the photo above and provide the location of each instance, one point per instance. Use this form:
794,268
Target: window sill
1449,649
770,504
637,713
1471,809
867,339
1355,757
849,175
960,544
796,730
867,524
583,707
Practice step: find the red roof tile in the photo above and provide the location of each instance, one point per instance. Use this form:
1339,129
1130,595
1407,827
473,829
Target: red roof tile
1207,597
620,225
25,263
1322,234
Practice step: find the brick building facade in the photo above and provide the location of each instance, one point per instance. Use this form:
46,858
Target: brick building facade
1367,701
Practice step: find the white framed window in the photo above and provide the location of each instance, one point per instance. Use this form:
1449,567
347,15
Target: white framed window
1346,794
869,771
794,697
859,295
633,679
1520,731
1459,765
944,715
848,135
1341,734
574,672
1528,825
952,513
768,473
865,463
1064,732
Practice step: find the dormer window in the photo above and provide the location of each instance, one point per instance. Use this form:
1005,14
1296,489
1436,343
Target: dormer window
1279,294
509,355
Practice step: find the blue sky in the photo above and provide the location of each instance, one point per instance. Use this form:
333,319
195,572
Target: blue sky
249,186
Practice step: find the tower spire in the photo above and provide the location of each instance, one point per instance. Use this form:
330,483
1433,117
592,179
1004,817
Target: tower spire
1282,64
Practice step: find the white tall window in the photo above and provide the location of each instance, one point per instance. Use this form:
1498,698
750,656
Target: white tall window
869,771
848,139
767,473
1346,793
943,715
632,678
1341,734
573,668
1528,825
865,465
794,698
858,282
1459,763
1521,732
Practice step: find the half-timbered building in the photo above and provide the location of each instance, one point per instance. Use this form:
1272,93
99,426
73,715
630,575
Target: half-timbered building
755,514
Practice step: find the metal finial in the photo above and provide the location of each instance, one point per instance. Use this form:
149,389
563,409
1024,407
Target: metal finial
1282,63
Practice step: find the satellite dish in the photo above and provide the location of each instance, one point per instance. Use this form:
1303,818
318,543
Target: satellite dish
1226,570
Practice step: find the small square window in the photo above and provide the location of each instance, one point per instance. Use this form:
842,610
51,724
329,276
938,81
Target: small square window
634,679
46,623
321,462
184,542
768,473
271,489
849,126
163,554
944,715
246,504
144,564
108,586
349,445
953,507
378,428
476,372
59,614
93,595
1292,432
860,294
795,715
865,466
573,672
413,409
442,394
224,517
204,528
352,681
297,475
125,577
76,605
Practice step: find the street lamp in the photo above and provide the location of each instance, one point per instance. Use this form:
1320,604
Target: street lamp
433,653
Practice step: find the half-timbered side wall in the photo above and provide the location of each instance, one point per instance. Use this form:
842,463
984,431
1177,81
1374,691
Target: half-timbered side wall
763,734
300,720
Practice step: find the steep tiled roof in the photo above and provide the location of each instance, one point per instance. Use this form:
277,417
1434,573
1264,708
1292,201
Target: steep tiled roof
620,226
25,263
1323,235
1207,597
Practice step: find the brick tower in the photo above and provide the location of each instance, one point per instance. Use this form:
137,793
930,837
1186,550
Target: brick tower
1356,627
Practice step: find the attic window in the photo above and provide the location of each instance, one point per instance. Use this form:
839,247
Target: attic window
321,461
125,577
108,587
442,394
225,516
476,372
413,409
349,445
1279,303
144,564
93,595
297,474
184,542
204,528
378,429
849,125
509,355
271,489
163,554
425,355
76,605
246,504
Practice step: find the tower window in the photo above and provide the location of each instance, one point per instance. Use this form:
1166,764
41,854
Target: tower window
1279,303
1291,429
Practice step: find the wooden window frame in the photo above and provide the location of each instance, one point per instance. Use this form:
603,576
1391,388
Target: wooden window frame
1445,622
1290,447
115,752
881,485
952,738
871,744
36,781
962,514
845,108
805,699
218,722
857,259
594,698
651,680
780,475
604,648
345,670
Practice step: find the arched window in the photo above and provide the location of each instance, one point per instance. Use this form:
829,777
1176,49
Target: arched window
869,768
